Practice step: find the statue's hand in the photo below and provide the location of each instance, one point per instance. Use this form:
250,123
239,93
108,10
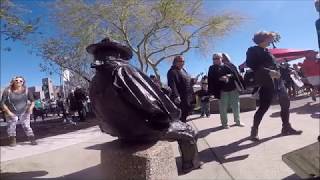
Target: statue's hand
177,100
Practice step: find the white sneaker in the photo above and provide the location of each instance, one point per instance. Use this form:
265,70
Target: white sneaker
240,124
225,126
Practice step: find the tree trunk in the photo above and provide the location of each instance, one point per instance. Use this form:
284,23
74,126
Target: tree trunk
155,70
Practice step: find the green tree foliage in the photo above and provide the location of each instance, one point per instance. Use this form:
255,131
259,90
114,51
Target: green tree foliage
12,24
155,30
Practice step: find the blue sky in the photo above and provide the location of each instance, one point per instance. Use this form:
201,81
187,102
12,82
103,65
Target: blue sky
293,19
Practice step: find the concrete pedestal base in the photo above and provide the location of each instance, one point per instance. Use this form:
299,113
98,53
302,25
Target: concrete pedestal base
141,162
304,161
247,103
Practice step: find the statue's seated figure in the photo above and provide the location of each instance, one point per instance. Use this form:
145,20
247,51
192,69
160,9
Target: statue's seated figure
131,107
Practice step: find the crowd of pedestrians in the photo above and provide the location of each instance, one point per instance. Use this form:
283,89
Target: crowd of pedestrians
223,82
20,105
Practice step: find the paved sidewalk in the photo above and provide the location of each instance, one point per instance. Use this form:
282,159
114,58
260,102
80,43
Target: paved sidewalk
24,149
227,153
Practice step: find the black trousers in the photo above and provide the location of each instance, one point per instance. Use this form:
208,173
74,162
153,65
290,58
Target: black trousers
266,95
186,108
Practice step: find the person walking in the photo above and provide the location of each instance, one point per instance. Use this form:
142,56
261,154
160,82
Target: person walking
72,104
266,74
286,71
38,109
223,81
18,104
81,98
61,104
181,85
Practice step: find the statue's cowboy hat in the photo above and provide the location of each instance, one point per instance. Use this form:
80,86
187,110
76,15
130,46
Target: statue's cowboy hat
108,44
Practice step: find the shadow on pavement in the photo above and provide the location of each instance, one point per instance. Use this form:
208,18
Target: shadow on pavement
94,172
206,132
300,97
23,175
221,152
194,118
305,109
292,177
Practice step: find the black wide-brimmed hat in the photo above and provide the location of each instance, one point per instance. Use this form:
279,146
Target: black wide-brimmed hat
107,44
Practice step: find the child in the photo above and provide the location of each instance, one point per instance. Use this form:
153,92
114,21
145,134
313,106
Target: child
204,97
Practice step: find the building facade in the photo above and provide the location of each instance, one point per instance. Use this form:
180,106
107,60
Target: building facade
47,88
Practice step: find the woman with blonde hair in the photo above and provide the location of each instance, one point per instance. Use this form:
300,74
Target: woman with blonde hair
18,104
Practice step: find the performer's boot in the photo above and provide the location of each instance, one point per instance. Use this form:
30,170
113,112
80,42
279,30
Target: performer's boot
288,130
254,134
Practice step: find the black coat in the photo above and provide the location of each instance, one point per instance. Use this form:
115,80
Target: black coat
215,86
181,86
261,61
129,104
236,75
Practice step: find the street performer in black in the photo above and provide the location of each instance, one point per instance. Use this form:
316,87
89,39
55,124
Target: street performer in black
267,77
132,107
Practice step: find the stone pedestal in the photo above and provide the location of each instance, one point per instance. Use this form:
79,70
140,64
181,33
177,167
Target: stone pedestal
305,162
141,162
247,103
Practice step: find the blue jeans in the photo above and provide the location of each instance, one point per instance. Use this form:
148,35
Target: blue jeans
205,108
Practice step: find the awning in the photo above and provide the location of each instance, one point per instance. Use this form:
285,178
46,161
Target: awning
283,55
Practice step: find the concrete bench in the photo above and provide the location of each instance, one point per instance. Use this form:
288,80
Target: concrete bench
247,103
141,162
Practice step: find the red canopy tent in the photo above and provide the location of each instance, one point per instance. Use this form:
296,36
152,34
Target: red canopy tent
283,55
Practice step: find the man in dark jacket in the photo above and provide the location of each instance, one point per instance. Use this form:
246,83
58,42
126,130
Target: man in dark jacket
224,81
263,64
133,108
181,87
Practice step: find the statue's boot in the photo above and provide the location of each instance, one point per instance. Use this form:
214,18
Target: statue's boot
189,156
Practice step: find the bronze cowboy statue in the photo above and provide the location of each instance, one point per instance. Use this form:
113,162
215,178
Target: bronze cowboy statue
132,107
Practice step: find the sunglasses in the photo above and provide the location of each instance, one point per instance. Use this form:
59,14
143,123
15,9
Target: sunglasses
18,80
